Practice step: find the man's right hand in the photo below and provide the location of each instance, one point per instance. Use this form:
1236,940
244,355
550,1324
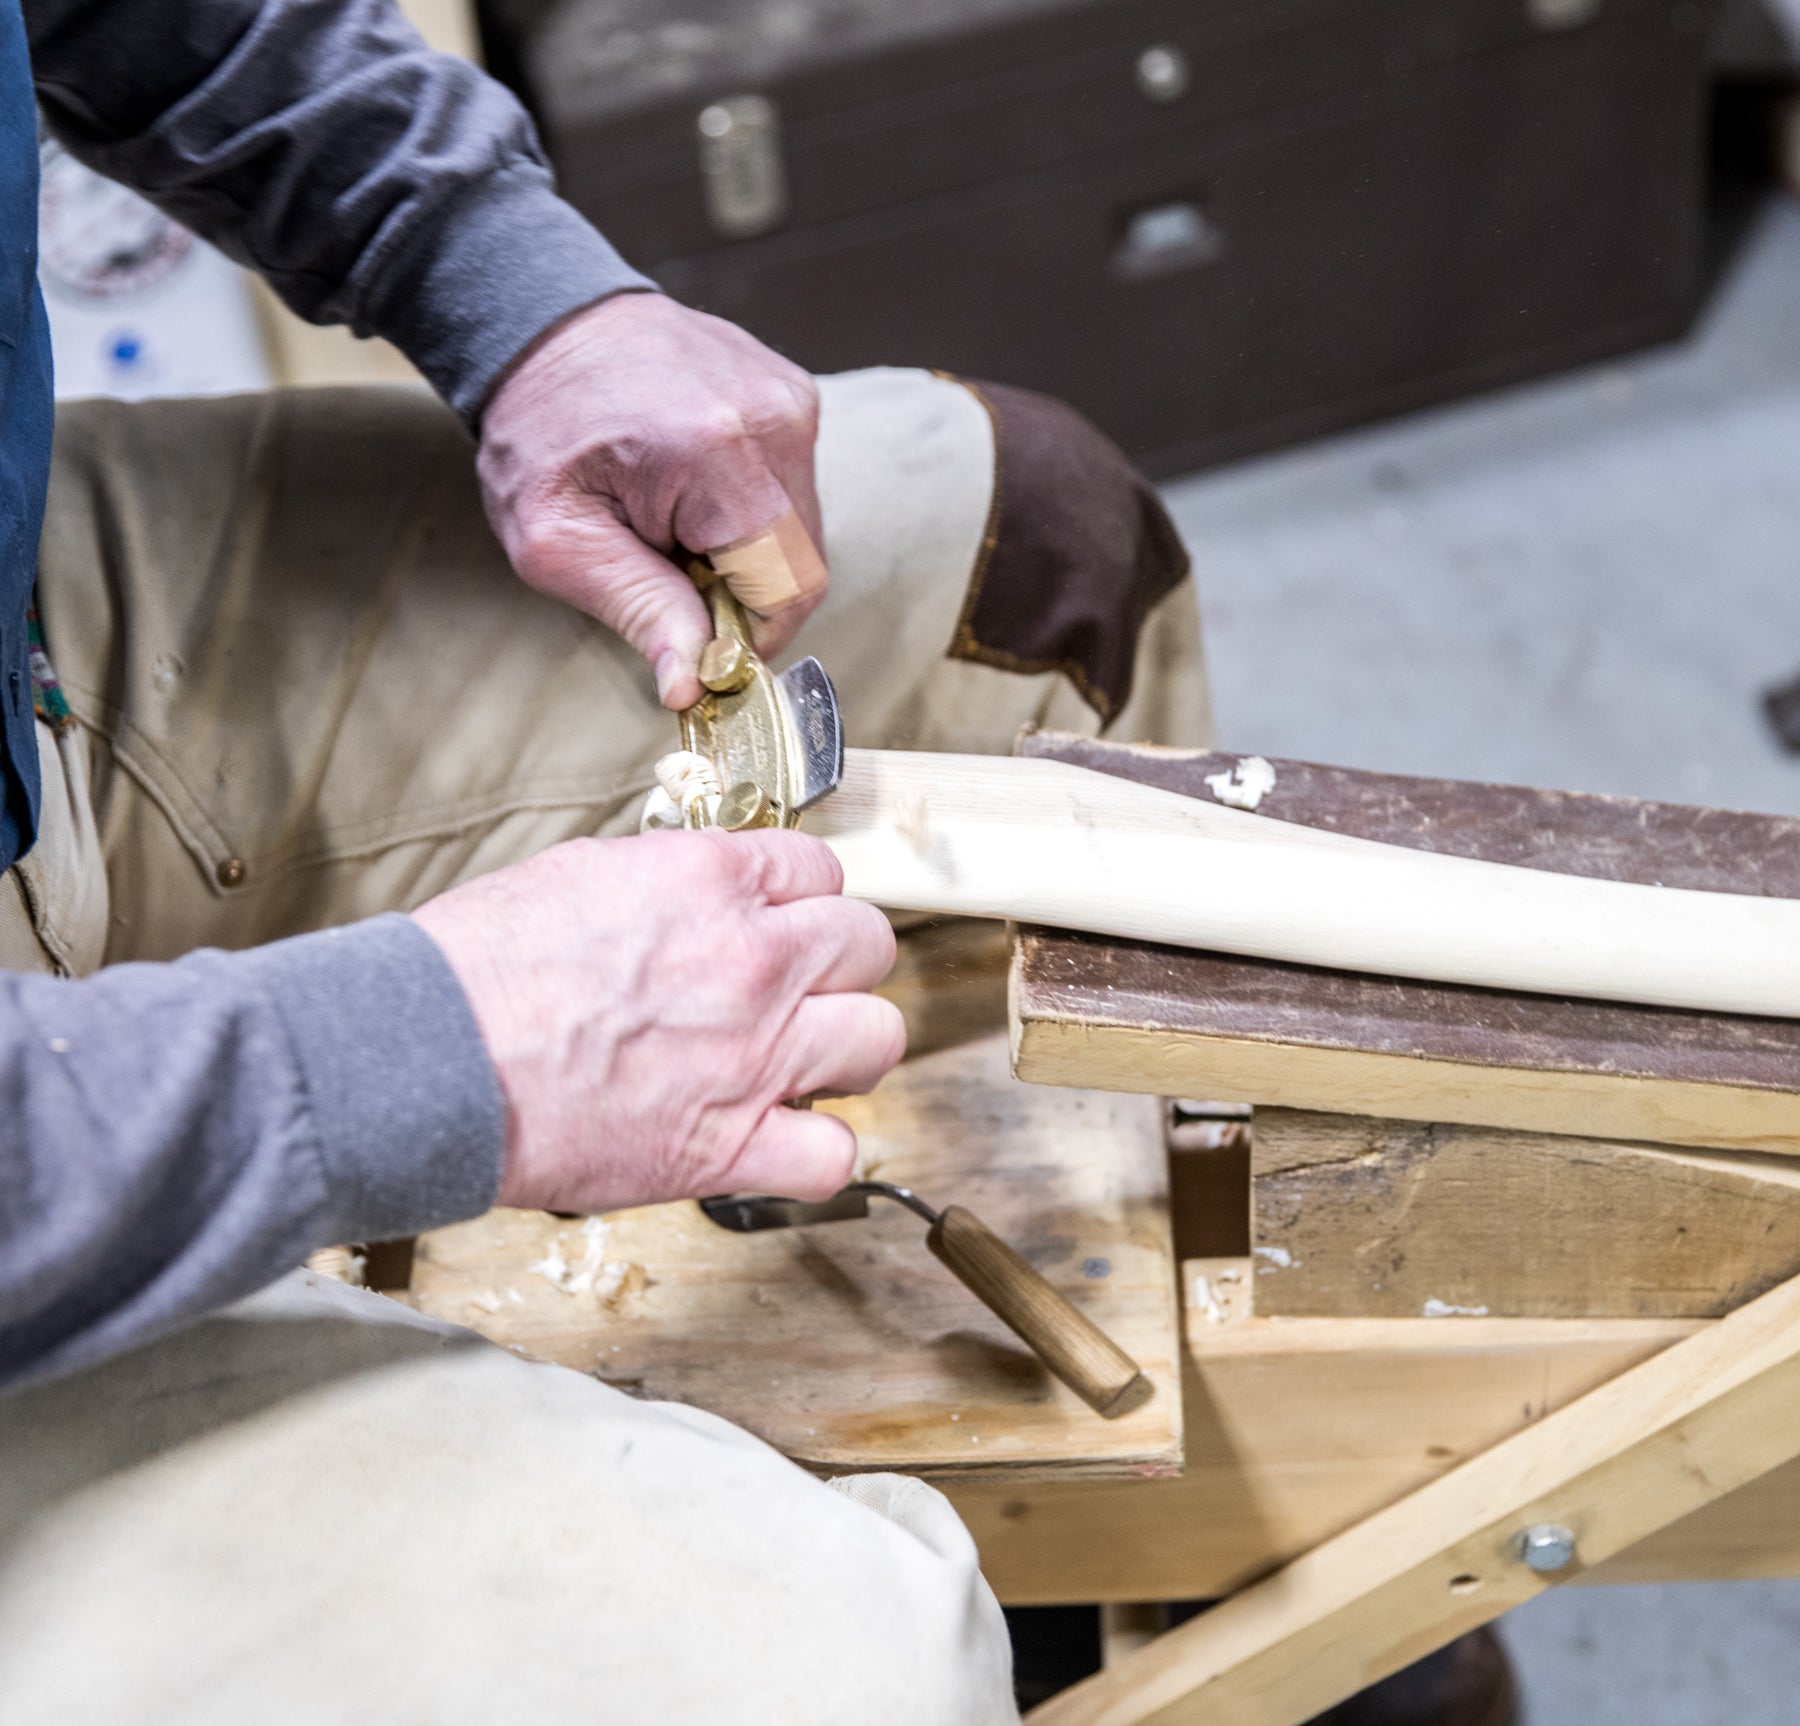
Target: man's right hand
651,1003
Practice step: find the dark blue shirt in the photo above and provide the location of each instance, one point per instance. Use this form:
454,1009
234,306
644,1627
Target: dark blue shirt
25,409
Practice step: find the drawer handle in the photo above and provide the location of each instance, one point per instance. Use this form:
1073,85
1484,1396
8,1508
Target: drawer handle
1161,239
1163,74
741,166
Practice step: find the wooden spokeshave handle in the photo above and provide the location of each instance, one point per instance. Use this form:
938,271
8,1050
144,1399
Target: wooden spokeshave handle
1046,842
1063,1337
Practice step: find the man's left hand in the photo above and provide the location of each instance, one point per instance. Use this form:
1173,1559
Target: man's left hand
634,426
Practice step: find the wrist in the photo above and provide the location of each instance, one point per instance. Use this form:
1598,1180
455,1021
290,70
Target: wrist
547,344
502,264
467,950
405,1102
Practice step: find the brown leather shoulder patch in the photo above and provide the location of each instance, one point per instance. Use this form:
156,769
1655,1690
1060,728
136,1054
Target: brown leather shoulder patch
1078,549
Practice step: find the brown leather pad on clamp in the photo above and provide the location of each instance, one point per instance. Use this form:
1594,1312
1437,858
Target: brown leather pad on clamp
771,570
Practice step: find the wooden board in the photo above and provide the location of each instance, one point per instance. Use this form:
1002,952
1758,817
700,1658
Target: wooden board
1094,1011
1299,1428
1295,1430
1357,1217
1713,1412
847,1345
1751,1535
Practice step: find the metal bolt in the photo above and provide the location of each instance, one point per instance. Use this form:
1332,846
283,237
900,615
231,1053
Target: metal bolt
744,805
1163,74
725,666
1546,1547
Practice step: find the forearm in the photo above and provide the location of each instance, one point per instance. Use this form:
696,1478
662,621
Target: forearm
373,182
178,1135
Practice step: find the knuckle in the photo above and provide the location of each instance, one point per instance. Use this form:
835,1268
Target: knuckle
874,1036
622,458
713,851
776,409
536,546
687,876
720,425
763,962
784,860
820,863
758,867
805,395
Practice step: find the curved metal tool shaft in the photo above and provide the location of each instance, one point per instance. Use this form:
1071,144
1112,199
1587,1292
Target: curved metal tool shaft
1064,1338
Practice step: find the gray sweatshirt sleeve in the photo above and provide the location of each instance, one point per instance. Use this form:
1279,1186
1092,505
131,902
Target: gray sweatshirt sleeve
175,1136
373,182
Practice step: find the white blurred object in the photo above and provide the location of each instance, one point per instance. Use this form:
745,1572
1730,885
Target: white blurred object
138,306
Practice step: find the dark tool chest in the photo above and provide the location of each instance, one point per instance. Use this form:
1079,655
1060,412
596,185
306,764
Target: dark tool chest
1212,226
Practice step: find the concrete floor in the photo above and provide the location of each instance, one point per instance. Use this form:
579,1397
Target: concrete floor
1580,583
1583,583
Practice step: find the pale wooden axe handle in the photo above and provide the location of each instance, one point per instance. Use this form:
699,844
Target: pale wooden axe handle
1046,842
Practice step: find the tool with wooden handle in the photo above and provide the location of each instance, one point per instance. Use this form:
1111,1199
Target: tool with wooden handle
1065,1339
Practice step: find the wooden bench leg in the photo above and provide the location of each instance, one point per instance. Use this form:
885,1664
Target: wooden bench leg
1645,1449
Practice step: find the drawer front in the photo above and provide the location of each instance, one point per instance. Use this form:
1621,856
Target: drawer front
1208,295
932,118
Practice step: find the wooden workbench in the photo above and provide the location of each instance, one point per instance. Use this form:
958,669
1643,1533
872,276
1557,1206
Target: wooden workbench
847,1345
1502,1268
1615,1186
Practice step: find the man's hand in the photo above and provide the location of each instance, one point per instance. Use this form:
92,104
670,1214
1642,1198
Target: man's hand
635,426
650,1003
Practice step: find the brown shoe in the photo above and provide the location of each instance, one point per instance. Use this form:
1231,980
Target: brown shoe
1468,1683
